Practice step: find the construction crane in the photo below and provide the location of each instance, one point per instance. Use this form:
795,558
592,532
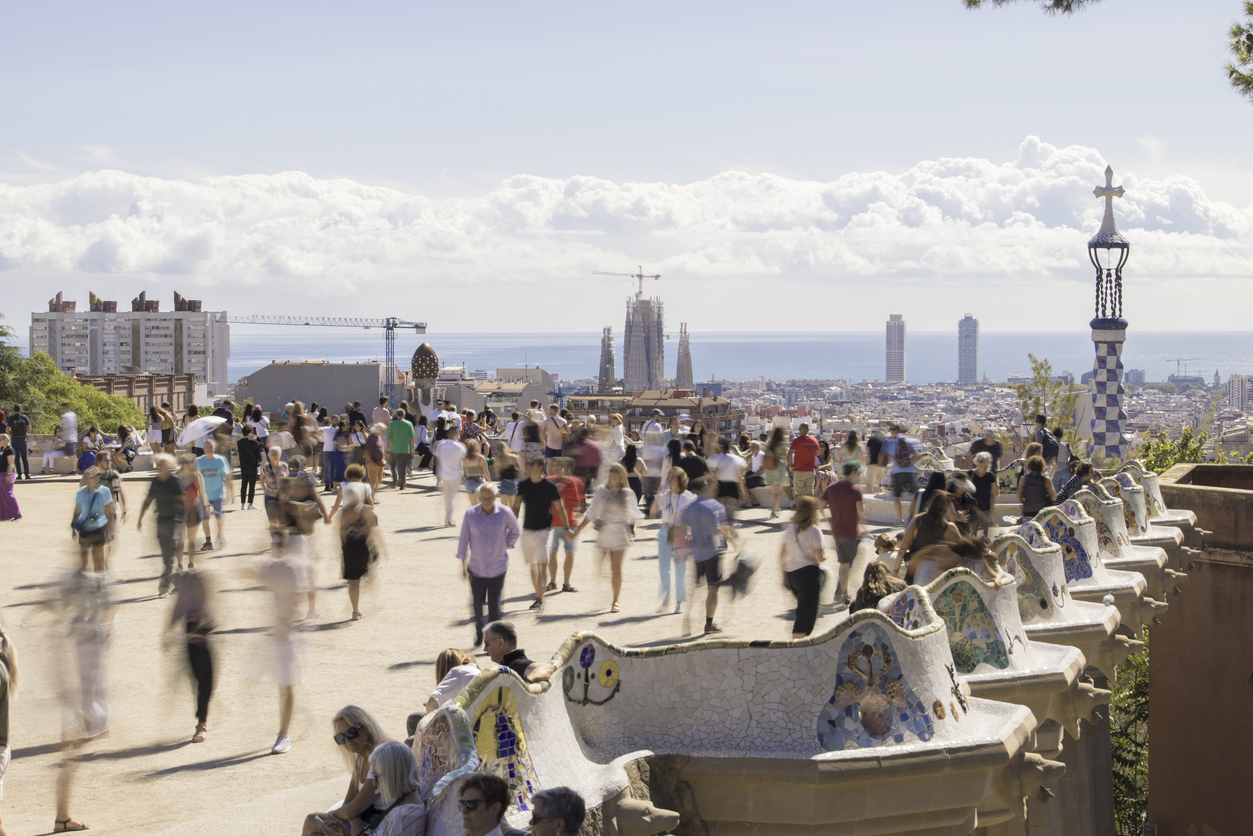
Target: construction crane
638,275
389,325
1179,360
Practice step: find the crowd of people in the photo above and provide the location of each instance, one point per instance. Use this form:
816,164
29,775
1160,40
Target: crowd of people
534,483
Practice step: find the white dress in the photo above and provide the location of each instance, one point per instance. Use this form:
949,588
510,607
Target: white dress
615,515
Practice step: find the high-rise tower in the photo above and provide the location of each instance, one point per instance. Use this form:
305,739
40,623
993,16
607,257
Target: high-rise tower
683,372
896,349
968,350
606,377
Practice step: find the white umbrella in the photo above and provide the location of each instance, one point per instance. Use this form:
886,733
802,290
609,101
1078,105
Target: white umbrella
200,428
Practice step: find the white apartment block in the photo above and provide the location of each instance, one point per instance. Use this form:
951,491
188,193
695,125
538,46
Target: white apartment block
143,340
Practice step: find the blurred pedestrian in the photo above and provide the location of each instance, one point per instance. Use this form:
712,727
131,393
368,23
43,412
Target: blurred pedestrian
375,457
357,529
9,509
8,691
848,512
672,538
91,524
193,610
614,510
449,454
250,456
574,500
216,473
542,503
710,536
166,490
775,463
800,557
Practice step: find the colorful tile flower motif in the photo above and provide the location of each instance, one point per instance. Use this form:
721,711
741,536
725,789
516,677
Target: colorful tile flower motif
872,705
1033,534
607,677
501,745
1129,516
972,633
1133,499
439,754
1075,557
1034,601
1104,536
905,610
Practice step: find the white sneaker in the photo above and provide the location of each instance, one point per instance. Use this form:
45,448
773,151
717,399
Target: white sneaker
283,744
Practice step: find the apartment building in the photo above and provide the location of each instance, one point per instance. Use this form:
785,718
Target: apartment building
144,340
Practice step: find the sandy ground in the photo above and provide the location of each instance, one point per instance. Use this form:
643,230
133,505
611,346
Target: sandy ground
146,776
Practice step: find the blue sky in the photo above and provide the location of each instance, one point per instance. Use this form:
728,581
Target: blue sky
439,109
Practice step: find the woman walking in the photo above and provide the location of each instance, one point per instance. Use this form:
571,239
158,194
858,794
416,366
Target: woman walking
474,469
9,509
356,527
273,471
635,470
250,452
614,509
800,554
775,463
509,470
423,440
193,607
260,425
375,455
92,522
672,538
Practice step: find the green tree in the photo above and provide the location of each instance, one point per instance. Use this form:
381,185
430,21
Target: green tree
10,358
40,387
1161,452
1240,38
1044,394
1129,742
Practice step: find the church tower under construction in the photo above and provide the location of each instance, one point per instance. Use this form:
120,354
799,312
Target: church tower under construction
644,344
683,373
605,379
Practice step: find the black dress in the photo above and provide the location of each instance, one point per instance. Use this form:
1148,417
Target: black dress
356,550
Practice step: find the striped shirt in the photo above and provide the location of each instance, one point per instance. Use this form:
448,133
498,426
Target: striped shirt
485,539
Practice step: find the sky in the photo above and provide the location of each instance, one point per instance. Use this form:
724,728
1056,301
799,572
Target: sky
798,166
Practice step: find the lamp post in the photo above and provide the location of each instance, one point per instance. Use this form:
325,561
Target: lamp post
1108,251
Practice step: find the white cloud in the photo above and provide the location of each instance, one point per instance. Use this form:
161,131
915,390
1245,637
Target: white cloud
955,223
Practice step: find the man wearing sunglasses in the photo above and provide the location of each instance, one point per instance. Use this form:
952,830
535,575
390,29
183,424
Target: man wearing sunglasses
483,800
557,812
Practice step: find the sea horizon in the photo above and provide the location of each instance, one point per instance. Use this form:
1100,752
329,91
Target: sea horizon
931,356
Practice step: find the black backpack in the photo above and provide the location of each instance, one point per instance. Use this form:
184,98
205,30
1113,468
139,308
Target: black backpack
1052,447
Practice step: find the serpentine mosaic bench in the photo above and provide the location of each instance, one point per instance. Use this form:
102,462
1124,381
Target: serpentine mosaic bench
1087,578
770,734
994,655
1115,546
1139,529
1049,613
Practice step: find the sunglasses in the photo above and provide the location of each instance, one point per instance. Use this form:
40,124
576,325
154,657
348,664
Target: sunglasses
537,819
351,734
469,805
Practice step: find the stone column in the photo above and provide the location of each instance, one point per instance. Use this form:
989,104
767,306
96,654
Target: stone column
1108,418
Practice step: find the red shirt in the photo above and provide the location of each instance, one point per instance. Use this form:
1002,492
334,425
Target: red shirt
805,452
842,498
572,496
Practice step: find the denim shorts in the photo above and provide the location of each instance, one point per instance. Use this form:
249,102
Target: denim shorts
508,487
216,505
559,539
473,484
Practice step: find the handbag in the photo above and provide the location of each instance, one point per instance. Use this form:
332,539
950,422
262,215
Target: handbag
88,516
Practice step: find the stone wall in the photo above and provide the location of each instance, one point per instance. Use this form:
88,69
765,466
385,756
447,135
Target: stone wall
1221,496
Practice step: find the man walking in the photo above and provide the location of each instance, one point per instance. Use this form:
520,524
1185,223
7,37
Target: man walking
69,432
899,450
654,453
803,458
988,444
449,453
217,483
574,499
707,527
488,530
400,435
19,426
554,432
540,499
844,502
167,491
382,414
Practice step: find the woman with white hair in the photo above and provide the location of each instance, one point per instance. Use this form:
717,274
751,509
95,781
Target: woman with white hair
396,773
357,735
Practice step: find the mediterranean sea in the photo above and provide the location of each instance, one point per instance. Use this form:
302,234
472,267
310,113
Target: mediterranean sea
930,357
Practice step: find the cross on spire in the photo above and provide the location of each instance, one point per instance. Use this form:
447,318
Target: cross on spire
1108,233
